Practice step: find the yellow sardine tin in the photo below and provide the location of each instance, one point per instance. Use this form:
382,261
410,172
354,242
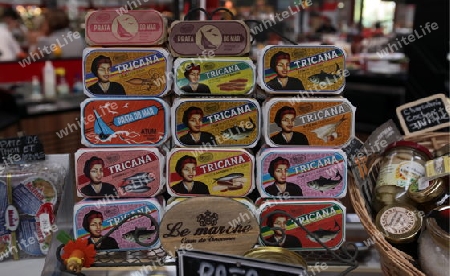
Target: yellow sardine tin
227,122
328,122
218,172
302,69
217,76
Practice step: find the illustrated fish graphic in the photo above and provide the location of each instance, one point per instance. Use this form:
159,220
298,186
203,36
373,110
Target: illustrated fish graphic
150,83
232,181
137,183
205,42
122,31
328,132
238,133
324,184
325,235
142,235
326,78
101,128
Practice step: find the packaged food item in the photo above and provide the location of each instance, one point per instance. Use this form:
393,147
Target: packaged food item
429,193
30,195
218,172
293,122
209,38
297,69
133,27
302,173
215,76
112,72
119,172
119,224
209,223
131,122
441,162
281,220
403,164
277,255
224,122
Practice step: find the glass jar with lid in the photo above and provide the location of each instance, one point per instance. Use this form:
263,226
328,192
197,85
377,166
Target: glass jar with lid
402,164
434,243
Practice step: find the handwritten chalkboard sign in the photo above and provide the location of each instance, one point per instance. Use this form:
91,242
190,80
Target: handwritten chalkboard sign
21,150
197,263
424,115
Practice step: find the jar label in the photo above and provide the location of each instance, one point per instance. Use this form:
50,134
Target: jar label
398,220
401,175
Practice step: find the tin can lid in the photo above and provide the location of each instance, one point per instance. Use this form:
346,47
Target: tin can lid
432,191
276,254
409,144
444,150
399,223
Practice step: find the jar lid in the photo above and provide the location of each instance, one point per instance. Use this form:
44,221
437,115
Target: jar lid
399,223
409,144
276,254
444,150
428,191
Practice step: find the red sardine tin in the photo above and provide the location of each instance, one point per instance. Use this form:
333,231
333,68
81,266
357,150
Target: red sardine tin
133,27
209,38
219,122
218,172
293,122
112,72
300,69
134,223
128,122
122,172
323,220
302,173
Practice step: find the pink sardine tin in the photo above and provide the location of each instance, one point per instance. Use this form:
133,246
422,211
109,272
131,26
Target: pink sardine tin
281,223
301,122
133,27
302,173
135,172
124,122
132,224
209,38
218,172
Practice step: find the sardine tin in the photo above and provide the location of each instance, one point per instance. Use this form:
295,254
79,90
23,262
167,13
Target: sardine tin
134,27
328,122
217,76
323,218
227,122
115,211
310,69
134,172
310,173
218,172
130,122
132,72
212,38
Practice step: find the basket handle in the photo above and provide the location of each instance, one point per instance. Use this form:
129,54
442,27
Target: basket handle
187,17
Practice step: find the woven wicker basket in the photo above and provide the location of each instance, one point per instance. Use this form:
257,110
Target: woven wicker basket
392,261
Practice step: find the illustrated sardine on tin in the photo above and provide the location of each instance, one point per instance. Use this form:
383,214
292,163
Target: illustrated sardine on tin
137,183
237,133
232,181
302,69
325,235
324,184
143,235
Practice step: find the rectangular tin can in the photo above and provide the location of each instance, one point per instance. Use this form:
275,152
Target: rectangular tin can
135,172
112,72
224,122
209,38
217,172
302,69
215,76
302,173
324,220
134,27
134,223
328,122
130,122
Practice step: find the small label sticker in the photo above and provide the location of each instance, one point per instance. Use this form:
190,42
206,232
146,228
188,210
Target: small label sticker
11,218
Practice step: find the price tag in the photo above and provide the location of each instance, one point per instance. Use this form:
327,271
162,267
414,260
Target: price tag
197,263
